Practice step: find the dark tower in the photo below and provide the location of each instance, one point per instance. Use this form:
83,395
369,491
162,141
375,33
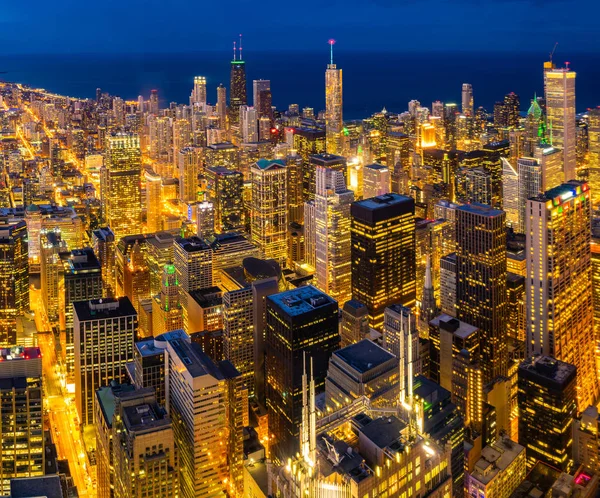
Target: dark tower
237,96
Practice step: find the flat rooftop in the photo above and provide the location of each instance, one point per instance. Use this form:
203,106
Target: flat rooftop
496,458
98,309
481,209
454,325
301,300
364,355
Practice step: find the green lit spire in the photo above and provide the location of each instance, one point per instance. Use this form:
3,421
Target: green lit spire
535,110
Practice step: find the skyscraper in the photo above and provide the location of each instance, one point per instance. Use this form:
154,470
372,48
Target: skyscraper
300,322
237,95
198,96
594,153
334,122
21,416
481,281
467,99
120,184
225,192
153,201
222,106
560,311
332,234
104,330
510,193
261,92
166,306
560,116
14,279
144,455
189,162
354,326
376,180
248,124
547,406
208,406
383,254
268,227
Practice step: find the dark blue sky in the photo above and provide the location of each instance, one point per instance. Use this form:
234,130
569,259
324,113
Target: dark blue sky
42,26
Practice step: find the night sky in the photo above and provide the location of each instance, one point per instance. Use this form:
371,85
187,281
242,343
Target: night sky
42,26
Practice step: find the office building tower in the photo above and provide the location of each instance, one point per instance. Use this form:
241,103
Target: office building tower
295,192
193,260
334,122
376,180
120,184
510,194
104,408
205,219
167,313
189,163
21,419
354,326
153,183
301,329
144,456
221,107
14,279
448,337
481,281
467,99
248,124
332,234
103,244
198,96
230,249
208,406
237,85
397,158
225,192
560,311
547,405
261,93
153,102
181,138
550,159
245,289
383,231
309,174
105,331
268,227
51,271
82,274
149,367
448,284
515,287
560,116
361,369
499,471
594,153
586,442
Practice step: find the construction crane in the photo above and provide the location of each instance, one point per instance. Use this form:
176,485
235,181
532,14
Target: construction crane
553,50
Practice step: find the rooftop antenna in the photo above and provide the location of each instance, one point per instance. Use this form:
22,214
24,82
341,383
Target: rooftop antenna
331,44
234,51
241,58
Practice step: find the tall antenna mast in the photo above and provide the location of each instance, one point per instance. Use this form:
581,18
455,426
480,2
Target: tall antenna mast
234,52
241,58
331,44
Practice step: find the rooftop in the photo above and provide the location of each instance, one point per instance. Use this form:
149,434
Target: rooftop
454,325
208,297
383,431
481,209
17,353
30,487
301,300
270,163
548,370
364,355
106,398
147,347
97,309
192,244
496,458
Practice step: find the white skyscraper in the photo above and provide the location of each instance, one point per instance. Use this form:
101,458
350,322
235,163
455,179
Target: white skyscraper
510,193
332,228
560,112
248,124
